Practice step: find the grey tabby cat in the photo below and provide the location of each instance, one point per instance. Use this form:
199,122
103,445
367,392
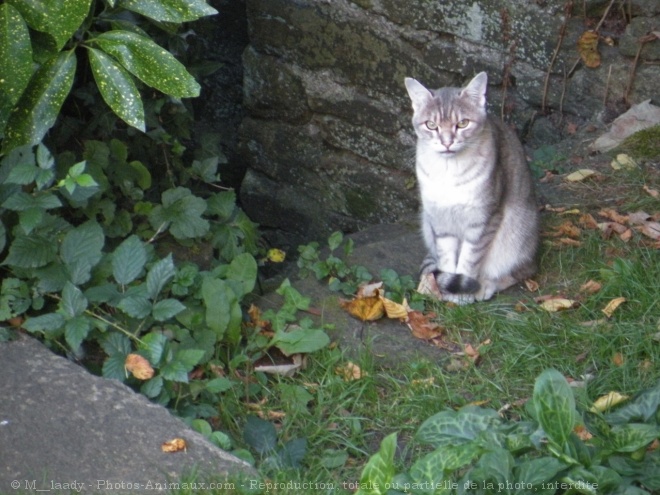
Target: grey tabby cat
479,214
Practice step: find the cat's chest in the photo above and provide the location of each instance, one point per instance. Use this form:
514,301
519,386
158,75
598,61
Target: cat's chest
447,183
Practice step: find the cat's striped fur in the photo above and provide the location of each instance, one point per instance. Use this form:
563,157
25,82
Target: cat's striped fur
480,219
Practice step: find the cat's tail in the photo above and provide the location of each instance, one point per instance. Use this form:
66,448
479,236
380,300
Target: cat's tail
456,283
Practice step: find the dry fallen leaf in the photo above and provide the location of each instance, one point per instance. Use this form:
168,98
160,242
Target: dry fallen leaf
587,47
617,359
429,286
532,285
369,290
365,308
139,366
591,287
582,433
652,192
612,305
588,221
608,401
285,369
349,371
623,161
422,327
174,445
557,304
613,215
580,175
651,229
394,310
639,218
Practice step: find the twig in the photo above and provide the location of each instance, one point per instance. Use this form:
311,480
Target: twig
568,8
607,86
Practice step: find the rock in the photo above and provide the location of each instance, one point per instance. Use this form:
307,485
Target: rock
60,425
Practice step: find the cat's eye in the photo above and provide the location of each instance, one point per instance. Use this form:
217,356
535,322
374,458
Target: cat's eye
431,125
462,124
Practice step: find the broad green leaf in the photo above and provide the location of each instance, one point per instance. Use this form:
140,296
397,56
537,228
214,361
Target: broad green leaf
58,18
379,471
176,11
136,306
30,218
40,104
299,341
166,309
117,88
159,274
32,251
555,406
222,205
117,347
632,437
152,388
182,363
81,250
183,212
223,312
73,302
242,274
430,469
456,427
640,409
128,260
219,385
22,201
260,435
44,323
76,330
537,471
154,343
23,173
201,426
292,453
149,62
15,59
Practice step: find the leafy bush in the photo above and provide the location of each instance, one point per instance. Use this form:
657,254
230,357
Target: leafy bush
477,451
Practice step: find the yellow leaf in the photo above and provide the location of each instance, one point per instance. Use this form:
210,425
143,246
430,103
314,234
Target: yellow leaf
139,366
580,175
395,310
557,304
608,401
623,161
588,49
612,305
275,255
365,308
349,371
174,445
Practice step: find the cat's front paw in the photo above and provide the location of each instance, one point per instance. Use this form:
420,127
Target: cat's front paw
460,299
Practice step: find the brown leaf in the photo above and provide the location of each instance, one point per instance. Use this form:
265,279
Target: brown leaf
422,327
626,236
349,371
174,445
569,242
651,229
582,433
588,221
571,128
613,215
612,305
652,192
567,229
587,47
532,285
369,290
365,308
139,366
639,218
429,286
618,359
591,287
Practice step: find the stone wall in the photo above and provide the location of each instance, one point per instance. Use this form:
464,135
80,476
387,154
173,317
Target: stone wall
326,135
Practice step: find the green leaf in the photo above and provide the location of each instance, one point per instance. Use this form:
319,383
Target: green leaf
260,435
183,212
379,471
76,330
166,309
456,427
632,437
537,471
81,250
149,62
15,59
242,274
73,302
22,201
640,409
555,406
433,467
292,453
135,306
117,89
58,18
202,426
128,260
219,385
176,11
44,323
32,251
152,388
40,104
222,205
182,363
154,344
117,347
223,312
299,341
159,274
335,240
23,173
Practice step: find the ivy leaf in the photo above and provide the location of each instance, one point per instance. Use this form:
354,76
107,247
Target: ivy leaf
15,59
166,309
170,10
58,18
32,251
128,260
117,88
183,212
159,275
39,106
149,62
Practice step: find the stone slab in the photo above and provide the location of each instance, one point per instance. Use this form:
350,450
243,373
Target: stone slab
59,425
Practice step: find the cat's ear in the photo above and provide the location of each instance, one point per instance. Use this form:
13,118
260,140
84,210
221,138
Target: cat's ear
476,89
419,95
